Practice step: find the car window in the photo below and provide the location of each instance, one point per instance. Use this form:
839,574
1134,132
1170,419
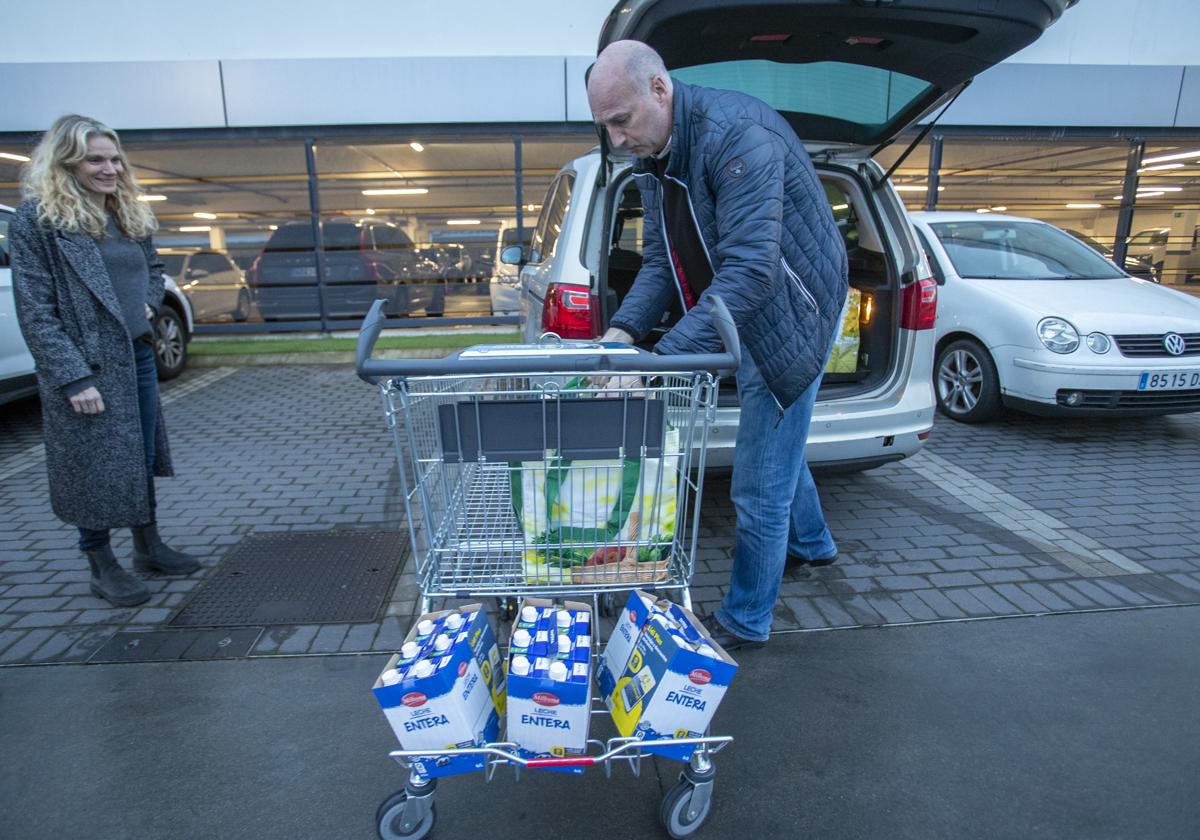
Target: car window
934,265
4,217
212,263
549,226
1004,250
390,237
172,264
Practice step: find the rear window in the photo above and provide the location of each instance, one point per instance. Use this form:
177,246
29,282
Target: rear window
1002,250
866,96
337,236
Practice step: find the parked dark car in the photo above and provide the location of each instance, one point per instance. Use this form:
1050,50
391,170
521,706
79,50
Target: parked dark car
362,262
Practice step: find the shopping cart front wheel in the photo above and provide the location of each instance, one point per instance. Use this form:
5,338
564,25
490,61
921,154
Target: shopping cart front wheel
403,818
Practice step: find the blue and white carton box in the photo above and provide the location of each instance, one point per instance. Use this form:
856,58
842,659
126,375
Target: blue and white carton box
449,694
550,687
671,687
621,643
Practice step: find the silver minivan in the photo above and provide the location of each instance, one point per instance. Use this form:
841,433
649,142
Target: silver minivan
848,76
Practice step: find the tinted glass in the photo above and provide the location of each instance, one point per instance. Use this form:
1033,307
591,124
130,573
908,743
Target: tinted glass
549,226
864,95
173,264
1019,251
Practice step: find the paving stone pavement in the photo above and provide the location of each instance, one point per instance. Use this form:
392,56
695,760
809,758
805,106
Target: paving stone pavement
1023,517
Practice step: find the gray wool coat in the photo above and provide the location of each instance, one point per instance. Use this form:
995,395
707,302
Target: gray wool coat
72,322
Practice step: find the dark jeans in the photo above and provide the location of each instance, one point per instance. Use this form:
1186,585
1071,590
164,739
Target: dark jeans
147,385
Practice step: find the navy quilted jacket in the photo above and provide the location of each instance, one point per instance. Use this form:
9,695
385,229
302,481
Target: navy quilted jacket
778,260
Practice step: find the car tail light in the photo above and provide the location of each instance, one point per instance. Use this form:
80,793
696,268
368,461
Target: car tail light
918,305
570,312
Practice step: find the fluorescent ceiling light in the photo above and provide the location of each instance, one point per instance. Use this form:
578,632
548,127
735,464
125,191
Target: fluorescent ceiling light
983,210
416,147
370,211
1150,194
1159,189
205,215
462,221
272,227
11,156
915,188
1175,156
1083,206
1163,166
532,207
998,209
195,229
398,191
145,197
840,207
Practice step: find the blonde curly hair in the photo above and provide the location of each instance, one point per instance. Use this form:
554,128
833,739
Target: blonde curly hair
49,178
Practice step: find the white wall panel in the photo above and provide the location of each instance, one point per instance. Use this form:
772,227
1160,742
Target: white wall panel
133,94
396,90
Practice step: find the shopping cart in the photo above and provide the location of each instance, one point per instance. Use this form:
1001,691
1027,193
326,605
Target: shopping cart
565,468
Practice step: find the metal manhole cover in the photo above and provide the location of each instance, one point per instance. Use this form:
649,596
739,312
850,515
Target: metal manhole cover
325,577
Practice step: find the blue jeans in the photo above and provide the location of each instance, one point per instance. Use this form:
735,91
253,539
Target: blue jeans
147,387
778,511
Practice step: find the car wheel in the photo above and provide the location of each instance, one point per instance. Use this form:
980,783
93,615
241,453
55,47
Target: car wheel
965,382
170,343
242,312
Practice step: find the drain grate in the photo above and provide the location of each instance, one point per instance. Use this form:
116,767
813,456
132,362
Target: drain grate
325,577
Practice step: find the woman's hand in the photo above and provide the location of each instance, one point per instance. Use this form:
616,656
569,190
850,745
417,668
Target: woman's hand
88,401
149,313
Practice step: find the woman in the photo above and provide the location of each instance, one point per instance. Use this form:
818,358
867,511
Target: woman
87,284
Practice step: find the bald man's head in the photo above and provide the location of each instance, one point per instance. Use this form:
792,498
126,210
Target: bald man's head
630,95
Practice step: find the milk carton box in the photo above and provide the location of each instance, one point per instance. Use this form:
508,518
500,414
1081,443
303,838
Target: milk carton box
549,680
671,687
620,644
445,689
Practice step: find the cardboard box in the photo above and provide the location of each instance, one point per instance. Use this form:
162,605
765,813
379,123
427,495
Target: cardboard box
549,718
620,644
458,704
668,689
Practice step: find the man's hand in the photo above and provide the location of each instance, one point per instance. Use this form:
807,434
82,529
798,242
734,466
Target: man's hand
88,401
616,336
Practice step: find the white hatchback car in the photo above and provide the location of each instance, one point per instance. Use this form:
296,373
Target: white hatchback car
848,77
1029,317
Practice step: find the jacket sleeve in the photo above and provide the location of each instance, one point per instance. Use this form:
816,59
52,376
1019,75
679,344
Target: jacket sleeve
56,356
157,289
746,176
651,292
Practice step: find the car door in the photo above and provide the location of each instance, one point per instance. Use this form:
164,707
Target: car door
212,284
16,364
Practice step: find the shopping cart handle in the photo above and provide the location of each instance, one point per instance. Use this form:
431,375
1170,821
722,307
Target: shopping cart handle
568,357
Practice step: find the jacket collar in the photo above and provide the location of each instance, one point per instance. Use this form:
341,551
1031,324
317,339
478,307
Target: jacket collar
682,95
83,255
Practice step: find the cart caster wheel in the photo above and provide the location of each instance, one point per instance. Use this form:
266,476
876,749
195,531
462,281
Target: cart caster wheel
507,608
399,818
685,808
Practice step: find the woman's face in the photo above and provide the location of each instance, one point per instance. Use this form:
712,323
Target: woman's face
97,174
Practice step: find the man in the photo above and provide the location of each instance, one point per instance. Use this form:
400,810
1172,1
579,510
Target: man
732,206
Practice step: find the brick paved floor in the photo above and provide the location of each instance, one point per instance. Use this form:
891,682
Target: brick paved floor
1026,516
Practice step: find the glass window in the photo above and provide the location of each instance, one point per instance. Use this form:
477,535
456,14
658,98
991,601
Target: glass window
549,226
209,263
934,265
1004,250
1166,221
840,92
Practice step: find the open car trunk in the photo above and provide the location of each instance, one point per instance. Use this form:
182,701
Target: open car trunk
865,351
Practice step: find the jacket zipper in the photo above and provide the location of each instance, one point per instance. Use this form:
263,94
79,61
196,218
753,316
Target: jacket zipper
812,301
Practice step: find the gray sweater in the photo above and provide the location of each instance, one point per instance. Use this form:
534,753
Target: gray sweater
125,261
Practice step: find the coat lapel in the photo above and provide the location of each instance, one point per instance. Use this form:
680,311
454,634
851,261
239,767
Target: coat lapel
83,254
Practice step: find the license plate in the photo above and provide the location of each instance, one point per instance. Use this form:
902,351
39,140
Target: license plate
1171,381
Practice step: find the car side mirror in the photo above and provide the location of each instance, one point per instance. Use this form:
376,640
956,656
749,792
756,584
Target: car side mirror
513,255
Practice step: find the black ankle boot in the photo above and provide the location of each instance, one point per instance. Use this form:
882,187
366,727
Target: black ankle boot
150,553
112,583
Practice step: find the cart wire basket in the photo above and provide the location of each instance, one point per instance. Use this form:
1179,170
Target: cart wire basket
558,469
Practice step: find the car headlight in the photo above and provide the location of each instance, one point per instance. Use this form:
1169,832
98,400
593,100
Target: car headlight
1058,335
1098,342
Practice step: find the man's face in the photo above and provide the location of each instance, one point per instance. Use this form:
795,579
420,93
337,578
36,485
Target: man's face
637,122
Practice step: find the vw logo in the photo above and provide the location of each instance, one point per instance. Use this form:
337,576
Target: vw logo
1174,344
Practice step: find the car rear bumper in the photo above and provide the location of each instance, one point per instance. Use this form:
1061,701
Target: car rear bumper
848,434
